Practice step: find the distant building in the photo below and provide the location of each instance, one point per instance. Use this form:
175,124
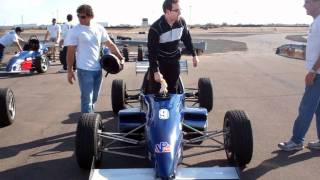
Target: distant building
27,26
145,22
104,24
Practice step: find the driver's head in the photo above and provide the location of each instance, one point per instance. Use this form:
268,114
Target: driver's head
171,9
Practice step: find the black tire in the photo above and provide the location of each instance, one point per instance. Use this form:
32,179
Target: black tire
118,95
205,93
41,64
88,142
140,53
125,53
238,138
7,107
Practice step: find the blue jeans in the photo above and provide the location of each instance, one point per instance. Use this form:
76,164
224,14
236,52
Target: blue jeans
90,83
308,107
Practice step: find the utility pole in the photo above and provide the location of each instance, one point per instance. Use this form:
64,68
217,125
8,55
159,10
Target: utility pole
57,15
190,14
21,19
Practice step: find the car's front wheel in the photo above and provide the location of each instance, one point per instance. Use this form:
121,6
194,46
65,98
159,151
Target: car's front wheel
88,142
238,140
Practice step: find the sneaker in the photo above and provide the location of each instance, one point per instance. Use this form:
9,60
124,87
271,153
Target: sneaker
290,146
314,145
62,71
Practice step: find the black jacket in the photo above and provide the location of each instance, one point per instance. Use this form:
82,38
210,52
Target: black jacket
163,41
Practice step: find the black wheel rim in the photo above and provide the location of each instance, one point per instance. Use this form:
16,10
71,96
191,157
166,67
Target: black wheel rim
11,106
44,64
227,139
99,142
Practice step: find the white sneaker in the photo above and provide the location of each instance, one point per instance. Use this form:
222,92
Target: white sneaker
290,146
314,145
62,71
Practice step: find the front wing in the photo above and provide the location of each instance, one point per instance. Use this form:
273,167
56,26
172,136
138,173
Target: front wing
182,173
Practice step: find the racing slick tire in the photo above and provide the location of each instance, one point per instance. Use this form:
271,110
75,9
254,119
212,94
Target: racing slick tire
140,53
125,53
7,107
205,93
118,95
41,64
238,140
87,141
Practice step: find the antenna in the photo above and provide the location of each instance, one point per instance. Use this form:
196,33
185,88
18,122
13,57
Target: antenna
190,7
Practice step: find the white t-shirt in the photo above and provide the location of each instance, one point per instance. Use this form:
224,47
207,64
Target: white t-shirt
54,30
65,28
313,44
88,40
9,38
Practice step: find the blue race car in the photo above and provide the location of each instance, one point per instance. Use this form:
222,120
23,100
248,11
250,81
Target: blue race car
163,125
32,58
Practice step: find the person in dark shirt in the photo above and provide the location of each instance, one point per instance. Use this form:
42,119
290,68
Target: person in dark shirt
163,46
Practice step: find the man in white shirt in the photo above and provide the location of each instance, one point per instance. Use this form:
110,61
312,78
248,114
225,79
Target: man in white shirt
65,27
85,39
63,53
310,103
53,33
9,38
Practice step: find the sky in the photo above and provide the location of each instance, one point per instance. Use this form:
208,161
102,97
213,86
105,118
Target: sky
115,12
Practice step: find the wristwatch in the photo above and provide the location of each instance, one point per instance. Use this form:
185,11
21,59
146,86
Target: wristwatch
313,71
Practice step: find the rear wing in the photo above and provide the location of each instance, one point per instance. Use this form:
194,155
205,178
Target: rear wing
142,66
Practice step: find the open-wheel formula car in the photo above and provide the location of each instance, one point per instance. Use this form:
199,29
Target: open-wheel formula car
32,58
7,107
163,125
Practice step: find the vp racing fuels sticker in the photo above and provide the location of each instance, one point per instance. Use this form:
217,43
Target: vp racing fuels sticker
163,147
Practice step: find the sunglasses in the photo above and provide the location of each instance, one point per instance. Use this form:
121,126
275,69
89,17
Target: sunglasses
82,16
176,10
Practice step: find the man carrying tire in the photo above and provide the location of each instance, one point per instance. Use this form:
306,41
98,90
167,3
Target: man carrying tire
163,46
85,39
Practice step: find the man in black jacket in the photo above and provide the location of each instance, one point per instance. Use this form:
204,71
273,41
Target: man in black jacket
163,46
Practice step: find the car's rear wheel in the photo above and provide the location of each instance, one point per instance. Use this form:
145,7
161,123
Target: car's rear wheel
205,93
41,64
7,107
238,140
125,53
140,53
118,95
88,143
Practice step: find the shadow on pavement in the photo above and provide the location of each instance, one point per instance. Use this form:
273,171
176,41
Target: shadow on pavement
60,168
280,160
